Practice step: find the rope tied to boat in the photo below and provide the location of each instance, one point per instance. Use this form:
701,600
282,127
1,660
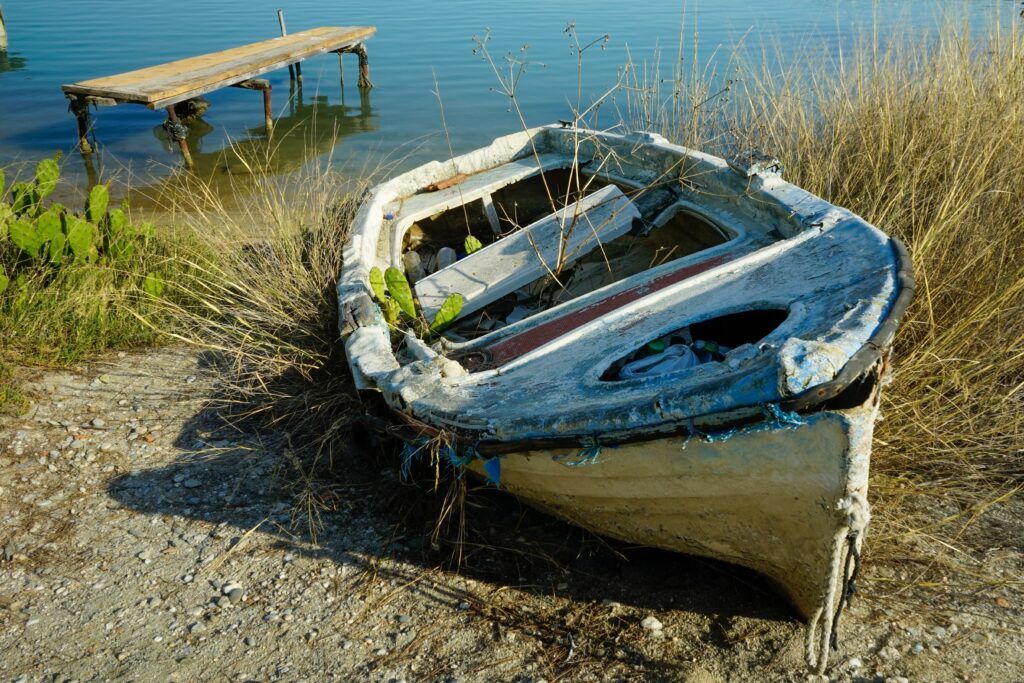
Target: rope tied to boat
855,515
176,130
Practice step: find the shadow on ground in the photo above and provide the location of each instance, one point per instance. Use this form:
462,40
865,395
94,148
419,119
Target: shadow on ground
374,521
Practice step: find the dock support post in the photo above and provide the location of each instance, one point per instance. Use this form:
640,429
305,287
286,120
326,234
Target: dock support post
294,73
178,133
268,111
364,66
79,106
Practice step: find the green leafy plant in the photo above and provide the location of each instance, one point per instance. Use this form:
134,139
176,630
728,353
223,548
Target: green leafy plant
52,236
393,293
472,244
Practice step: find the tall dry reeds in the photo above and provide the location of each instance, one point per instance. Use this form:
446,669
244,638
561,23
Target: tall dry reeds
923,137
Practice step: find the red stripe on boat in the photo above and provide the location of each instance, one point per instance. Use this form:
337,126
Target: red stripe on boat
517,345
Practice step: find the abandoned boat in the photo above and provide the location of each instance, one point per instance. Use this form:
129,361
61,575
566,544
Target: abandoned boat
656,344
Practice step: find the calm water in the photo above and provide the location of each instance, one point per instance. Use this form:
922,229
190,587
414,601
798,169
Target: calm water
60,41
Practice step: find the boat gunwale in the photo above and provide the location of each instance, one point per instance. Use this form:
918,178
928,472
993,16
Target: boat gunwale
801,211
861,363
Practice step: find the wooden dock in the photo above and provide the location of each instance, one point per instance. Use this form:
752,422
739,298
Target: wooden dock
164,85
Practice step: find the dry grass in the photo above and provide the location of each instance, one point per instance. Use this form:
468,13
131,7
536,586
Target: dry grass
256,294
924,138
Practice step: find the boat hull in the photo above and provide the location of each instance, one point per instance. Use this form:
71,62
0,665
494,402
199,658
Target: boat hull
770,497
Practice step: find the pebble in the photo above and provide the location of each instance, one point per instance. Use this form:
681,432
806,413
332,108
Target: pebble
98,423
404,619
463,605
918,648
196,627
651,623
249,641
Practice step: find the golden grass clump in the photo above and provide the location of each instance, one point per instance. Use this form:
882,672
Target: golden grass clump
925,139
257,294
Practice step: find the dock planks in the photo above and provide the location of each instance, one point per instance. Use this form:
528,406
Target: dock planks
167,84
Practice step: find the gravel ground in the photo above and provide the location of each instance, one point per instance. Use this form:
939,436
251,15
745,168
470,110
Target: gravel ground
143,539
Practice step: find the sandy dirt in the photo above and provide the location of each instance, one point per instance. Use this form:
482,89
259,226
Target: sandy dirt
143,539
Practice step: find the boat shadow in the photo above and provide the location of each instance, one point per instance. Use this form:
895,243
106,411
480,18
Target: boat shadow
594,590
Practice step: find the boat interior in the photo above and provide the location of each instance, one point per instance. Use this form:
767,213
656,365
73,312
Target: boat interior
653,238
629,282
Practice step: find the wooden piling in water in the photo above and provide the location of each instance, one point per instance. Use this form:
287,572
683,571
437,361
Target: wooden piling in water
80,108
174,130
294,72
264,85
364,66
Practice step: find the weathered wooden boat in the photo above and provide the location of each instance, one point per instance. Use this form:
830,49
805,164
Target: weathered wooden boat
656,344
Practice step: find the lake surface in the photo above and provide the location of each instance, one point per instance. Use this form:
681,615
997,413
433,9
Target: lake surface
61,41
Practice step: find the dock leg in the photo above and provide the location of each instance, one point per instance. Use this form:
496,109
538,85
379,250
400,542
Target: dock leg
284,32
178,133
268,111
364,66
341,68
80,108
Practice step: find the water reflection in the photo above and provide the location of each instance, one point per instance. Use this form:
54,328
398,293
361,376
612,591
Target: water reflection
309,129
10,62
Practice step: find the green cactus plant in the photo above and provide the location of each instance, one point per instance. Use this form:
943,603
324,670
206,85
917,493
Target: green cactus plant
6,217
81,237
23,198
393,293
153,285
25,236
46,234
96,205
471,244
377,284
47,177
400,291
447,314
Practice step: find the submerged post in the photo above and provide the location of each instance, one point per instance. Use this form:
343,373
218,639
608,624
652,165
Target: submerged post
364,66
295,73
178,132
264,85
3,31
79,106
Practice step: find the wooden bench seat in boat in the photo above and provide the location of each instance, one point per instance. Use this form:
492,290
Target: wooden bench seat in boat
478,186
520,258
